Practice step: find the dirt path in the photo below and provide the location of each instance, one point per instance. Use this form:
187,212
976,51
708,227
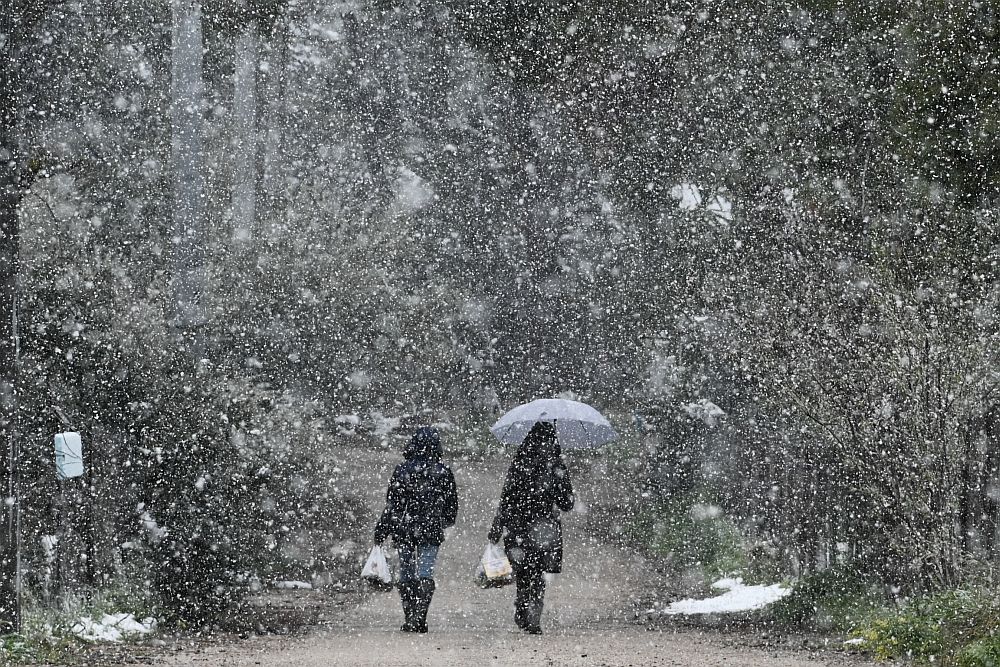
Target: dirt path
586,619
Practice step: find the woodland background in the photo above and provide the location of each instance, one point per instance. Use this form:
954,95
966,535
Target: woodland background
762,236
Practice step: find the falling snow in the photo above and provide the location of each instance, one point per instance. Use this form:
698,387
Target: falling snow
248,250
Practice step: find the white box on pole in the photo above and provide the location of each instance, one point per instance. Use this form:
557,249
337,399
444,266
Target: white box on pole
69,455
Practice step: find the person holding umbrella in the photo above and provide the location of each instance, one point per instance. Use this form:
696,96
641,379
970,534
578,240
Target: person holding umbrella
420,503
537,487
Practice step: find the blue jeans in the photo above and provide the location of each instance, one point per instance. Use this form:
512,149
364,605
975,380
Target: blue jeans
416,561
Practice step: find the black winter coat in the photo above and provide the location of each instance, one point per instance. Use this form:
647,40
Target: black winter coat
536,488
421,500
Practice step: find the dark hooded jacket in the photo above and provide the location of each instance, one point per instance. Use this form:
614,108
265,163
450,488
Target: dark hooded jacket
537,487
422,500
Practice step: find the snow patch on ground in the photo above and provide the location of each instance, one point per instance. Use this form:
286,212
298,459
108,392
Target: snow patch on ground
112,627
738,597
289,585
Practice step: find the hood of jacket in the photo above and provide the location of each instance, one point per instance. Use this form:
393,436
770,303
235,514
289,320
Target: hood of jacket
425,444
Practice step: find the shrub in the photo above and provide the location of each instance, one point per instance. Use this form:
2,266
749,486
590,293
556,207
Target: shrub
764,563
204,497
908,634
310,519
981,653
689,533
952,627
837,598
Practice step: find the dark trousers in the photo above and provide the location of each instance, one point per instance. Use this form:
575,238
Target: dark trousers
529,577
416,561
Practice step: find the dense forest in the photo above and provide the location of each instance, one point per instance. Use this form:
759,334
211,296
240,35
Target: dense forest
762,236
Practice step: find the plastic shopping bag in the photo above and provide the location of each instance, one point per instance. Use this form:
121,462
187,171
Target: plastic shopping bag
485,582
376,570
494,569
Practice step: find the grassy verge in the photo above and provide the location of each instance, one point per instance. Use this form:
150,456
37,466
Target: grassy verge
28,648
960,627
47,635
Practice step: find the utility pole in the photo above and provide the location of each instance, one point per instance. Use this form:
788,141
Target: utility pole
10,195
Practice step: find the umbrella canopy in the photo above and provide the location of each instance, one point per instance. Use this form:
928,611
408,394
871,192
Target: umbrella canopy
577,424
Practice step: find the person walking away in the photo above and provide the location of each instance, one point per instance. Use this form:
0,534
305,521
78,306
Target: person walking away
536,489
420,503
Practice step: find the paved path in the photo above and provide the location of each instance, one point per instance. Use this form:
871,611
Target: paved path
586,619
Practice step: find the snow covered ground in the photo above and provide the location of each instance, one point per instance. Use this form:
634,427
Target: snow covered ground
737,597
112,627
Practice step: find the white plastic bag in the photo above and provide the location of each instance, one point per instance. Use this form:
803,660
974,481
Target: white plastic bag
485,582
376,570
495,563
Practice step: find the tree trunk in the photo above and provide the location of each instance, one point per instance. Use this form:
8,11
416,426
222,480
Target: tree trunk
272,125
991,486
245,133
188,169
9,197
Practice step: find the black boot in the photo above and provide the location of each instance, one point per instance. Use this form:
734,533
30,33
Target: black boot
533,618
521,602
528,601
425,591
519,617
408,596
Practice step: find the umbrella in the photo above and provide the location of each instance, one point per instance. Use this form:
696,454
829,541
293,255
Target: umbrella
577,424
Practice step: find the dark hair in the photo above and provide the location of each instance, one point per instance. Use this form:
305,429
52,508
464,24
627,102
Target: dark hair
540,443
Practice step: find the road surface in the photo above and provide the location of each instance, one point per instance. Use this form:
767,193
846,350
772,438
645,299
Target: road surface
588,619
